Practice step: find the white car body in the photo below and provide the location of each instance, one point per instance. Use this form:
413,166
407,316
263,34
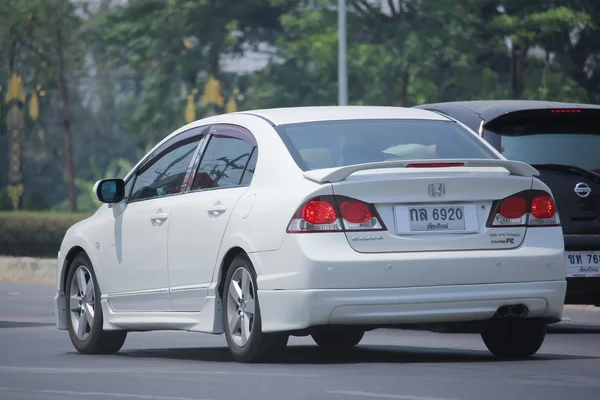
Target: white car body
167,276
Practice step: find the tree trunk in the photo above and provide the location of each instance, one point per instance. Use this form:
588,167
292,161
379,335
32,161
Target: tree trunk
404,88
66,117
517,69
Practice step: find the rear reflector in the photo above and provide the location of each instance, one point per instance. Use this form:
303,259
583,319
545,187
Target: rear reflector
527,208
434,165
335,214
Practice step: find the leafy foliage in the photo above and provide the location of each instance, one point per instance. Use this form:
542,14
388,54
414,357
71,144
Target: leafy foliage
133,65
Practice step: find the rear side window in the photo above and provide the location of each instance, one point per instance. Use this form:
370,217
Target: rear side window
544,138
223,163
329,144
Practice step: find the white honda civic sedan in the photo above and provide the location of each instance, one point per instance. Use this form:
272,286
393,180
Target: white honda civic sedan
320,221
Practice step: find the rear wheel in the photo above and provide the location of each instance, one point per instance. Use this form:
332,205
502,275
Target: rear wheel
84,313
241,316
514,338
338,339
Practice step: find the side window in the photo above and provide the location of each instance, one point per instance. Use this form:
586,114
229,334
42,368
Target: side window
223,163
165,173
249,172
128,186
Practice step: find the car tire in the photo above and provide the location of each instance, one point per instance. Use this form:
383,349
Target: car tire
337,340
84,311
514,338
242,319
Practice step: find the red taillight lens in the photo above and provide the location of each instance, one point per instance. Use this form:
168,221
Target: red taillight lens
513,207
543,207
355,212
319,212
434,165
533,208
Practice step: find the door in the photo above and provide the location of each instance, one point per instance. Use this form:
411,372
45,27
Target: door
140,277
199,219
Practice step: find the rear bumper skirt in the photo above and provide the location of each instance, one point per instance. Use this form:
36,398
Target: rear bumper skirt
290,310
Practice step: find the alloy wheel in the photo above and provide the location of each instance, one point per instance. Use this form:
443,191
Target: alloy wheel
82,302
241,306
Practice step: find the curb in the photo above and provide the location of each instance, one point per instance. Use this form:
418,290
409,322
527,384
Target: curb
27,269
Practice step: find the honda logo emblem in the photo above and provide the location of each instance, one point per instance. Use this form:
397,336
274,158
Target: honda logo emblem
437,189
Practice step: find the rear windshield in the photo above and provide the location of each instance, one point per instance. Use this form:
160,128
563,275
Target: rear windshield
580,150
546,140
329,144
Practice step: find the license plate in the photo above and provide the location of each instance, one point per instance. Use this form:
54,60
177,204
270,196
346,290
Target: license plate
583,264
421,219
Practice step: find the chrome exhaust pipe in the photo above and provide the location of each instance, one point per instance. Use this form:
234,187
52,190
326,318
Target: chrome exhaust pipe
518,310
503,312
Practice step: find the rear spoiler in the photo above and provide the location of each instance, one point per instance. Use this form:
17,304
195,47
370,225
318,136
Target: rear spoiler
340,173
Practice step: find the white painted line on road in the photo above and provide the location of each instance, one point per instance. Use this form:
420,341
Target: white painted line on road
566,320
103,394
384,395
149,370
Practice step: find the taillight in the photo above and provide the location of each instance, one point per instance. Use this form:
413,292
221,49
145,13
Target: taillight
513,207
527,208
335,214
319,213
543,211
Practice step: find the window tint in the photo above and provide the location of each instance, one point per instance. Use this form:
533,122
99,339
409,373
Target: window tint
339,143
571,140
223,163
249,173
165,173
579,150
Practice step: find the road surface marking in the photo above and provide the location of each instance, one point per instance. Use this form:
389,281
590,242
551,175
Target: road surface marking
148,370
103,394
384,395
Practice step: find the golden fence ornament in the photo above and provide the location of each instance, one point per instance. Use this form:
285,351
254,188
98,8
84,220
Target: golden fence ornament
231,105
15,89
190,109
34,107
212,93
15,192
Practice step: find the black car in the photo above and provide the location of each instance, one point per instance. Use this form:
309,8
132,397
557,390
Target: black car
561,140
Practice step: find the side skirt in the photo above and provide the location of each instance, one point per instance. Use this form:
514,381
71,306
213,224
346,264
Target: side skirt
209,320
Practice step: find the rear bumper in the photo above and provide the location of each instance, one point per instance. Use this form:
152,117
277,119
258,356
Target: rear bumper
290,310
326,261
583,291
582,242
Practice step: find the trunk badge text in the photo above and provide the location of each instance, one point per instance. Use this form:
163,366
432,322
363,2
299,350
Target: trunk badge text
366,238
437,189
582,190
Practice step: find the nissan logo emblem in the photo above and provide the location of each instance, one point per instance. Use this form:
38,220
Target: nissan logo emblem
582,190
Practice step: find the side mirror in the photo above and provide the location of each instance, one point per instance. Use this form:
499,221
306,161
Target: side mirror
109,190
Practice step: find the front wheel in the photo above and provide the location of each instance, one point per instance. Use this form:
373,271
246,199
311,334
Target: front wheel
84,313
514,338
241,316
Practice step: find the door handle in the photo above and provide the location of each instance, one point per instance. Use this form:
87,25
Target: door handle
217,210
159,218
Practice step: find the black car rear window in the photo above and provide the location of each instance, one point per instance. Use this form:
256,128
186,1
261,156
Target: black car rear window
548,139
316,145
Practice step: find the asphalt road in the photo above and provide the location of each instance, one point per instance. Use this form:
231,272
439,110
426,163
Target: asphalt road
38,362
